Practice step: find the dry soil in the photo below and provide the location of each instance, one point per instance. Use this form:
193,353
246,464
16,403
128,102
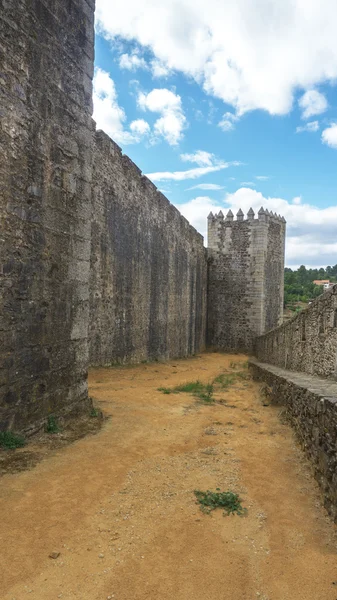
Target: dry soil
119,512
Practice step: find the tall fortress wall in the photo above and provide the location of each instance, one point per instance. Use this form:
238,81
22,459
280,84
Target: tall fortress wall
148,276
97,267
47,141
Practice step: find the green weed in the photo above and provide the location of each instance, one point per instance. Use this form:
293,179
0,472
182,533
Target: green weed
10,440
95,413
242,375
191,387
202,391
52,425
206,395
229,501
205,391
224,380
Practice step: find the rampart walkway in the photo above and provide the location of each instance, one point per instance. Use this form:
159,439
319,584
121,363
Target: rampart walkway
119,506
310,405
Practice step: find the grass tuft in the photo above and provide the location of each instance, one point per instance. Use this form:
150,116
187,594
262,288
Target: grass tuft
229,501
202,391
52,425
206,395
95,413
224,380
191,387
242,375
10,440
205,391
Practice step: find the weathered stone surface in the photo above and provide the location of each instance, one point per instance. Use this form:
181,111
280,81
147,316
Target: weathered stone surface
46,57
245,278
86,240
308,342
148,268
311,408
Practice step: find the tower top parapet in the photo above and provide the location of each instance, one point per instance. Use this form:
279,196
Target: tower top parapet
263,215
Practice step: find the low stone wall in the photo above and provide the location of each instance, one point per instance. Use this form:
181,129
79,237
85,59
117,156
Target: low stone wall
311,408
306,343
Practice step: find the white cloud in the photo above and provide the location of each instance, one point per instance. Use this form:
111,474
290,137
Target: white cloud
170,127
132,62
159,100
224,47
262,177
208,162
190,174
297,200
140,127
200,157
159,69
227,121
206,186
311,231
172,121
111,117
247,183
108,115
312,126
329,136
312,103
197,210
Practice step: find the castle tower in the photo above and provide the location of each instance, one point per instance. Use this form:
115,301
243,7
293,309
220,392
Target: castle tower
245,277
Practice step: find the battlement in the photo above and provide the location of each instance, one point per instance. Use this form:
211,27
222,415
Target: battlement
263,215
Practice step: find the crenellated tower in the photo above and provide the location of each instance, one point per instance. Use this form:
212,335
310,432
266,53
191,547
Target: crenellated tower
245,277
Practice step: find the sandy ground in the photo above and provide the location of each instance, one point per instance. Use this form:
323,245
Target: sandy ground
119,506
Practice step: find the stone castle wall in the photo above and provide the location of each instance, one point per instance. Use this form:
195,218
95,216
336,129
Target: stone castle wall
308,342
148,268
298,361
46,56
310,406
96,265
245,278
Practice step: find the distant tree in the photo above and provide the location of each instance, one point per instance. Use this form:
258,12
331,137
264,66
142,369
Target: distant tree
302,275
299,286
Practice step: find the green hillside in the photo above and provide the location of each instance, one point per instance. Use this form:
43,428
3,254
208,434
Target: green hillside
299,288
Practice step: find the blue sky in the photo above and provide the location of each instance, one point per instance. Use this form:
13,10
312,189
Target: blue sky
236,109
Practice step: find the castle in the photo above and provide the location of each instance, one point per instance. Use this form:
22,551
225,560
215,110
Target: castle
97,266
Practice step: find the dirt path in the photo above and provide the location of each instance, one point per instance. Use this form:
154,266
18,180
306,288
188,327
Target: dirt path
120,509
